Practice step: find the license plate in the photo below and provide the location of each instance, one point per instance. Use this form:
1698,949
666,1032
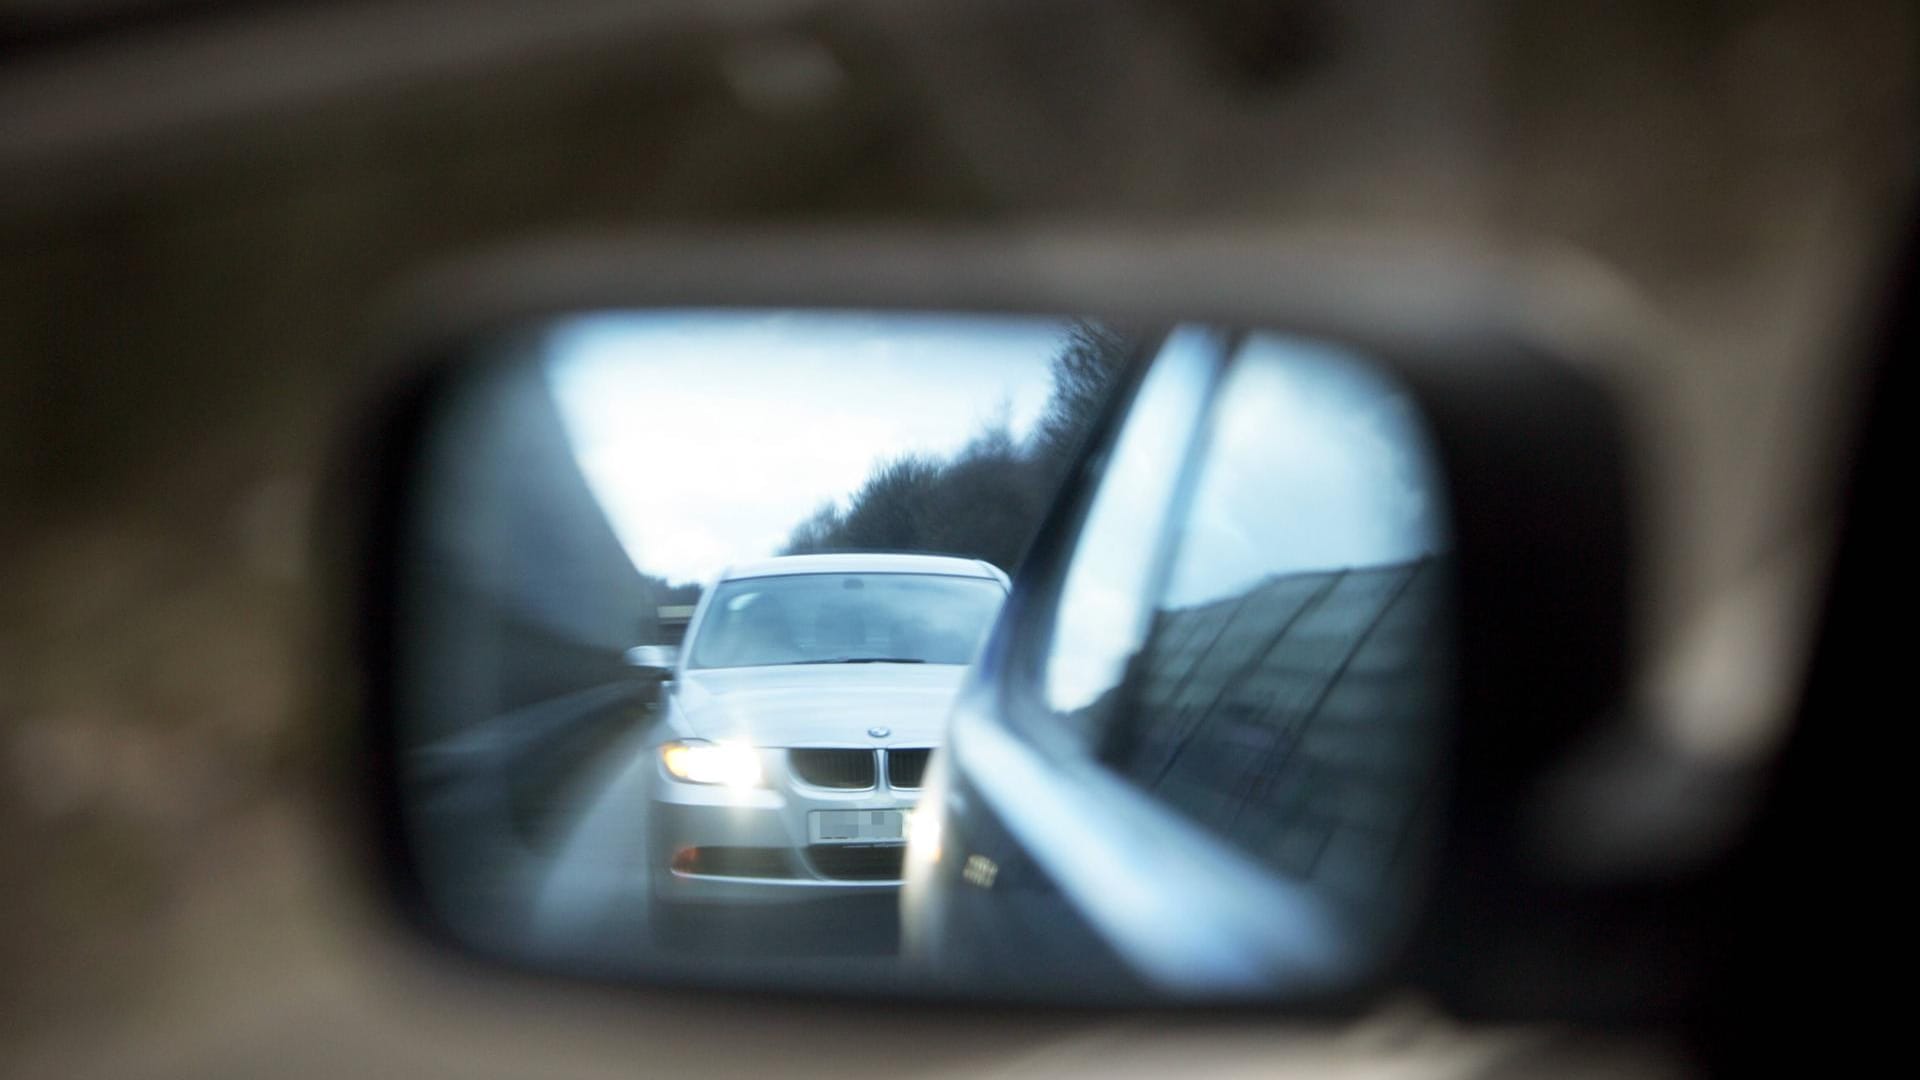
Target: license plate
857,826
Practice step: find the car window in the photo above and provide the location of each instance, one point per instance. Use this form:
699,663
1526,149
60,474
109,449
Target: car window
1285,690
1101,614
829,618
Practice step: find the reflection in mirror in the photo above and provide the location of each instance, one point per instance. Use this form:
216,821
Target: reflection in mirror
1287,683
722,656
1103,606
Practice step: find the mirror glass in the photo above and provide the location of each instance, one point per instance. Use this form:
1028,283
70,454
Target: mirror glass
1043,658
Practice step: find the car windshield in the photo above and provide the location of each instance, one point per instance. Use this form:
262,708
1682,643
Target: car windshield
845,618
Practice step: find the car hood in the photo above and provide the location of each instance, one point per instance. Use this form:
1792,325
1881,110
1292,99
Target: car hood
818,704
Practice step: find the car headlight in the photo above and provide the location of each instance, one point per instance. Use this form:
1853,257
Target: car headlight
923,834
733,764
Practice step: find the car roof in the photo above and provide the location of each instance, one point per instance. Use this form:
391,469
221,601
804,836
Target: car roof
865,562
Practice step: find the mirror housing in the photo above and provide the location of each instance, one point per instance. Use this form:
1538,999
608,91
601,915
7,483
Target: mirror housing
1529,445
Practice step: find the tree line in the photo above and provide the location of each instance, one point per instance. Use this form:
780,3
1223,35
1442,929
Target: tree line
986,500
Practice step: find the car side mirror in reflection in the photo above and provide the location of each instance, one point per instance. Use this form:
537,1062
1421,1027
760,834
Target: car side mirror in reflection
652,659
1179,641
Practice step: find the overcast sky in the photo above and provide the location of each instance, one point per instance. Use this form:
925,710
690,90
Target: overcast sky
1313,461
708,435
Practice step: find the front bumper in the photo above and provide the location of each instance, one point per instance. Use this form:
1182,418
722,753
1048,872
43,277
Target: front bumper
760,839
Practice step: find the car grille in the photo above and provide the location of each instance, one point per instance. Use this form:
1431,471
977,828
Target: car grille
844,769
858,862
905,768
752,862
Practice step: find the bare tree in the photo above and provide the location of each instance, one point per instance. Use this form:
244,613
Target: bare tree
986,501
1083,374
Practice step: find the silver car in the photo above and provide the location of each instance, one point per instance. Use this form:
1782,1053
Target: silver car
798,722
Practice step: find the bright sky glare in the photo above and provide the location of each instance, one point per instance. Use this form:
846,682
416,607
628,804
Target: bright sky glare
1313,461
708,435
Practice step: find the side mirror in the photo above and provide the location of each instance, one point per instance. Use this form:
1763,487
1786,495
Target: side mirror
1317,558
657,660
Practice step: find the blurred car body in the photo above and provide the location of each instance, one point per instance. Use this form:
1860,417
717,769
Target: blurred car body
1253,716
